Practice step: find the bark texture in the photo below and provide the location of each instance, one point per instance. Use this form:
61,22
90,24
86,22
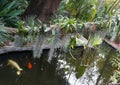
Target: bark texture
41,9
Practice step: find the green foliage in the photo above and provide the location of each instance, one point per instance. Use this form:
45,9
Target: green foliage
117,75
72,42
82,9
9,12
4,36
97,38
79,71
21,28
107,8
111,67
22,4
115,61
115,25
68,24
102,9
26,31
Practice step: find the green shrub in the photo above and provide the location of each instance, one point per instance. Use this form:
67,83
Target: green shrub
9,12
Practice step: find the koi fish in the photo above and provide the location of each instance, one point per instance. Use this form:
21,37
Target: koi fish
29,65
15,65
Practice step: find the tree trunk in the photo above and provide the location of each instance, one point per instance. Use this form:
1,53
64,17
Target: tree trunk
41,9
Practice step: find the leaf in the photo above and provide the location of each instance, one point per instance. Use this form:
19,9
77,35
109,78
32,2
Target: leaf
9,6
67,1
72,43
6,9
97,40
14,13
3,36
80,71
2,3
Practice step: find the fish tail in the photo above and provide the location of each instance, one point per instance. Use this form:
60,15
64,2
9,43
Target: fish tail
19,72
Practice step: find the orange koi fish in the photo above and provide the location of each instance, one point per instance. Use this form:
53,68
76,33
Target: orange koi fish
29,65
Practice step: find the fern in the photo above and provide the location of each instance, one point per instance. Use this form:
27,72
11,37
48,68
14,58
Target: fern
115,61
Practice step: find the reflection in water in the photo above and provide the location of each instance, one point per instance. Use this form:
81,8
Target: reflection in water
79,71
88,78
93,67
76,67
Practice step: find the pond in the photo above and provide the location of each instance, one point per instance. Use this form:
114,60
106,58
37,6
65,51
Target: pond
42,73
73,67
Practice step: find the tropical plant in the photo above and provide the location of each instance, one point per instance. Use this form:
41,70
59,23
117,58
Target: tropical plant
22,4
82,9
26,32
115,25
106,10
4,36
68,24
9,12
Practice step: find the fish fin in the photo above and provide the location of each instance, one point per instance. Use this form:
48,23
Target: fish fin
20,69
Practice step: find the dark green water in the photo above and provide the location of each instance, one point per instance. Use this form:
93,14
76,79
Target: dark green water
75,67
38,75
42,72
